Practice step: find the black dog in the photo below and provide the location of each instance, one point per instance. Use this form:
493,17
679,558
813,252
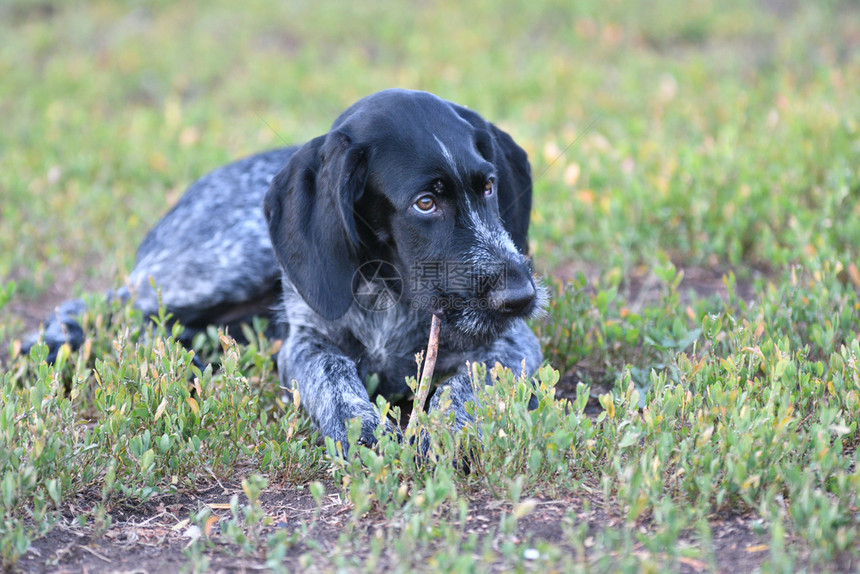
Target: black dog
409,206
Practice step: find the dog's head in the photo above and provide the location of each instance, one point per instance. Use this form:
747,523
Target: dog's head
418,188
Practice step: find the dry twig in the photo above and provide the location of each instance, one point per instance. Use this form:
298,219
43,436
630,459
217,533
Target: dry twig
427,371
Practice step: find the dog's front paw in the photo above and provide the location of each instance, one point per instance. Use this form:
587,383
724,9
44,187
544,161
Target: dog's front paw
339,424
60,328
459,394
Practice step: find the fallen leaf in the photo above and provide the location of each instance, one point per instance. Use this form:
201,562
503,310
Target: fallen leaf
571,174
160,410
525,508
210,522
585,196
854,274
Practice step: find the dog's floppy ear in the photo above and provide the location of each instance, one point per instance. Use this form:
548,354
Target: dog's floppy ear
514,176
309,210
515,188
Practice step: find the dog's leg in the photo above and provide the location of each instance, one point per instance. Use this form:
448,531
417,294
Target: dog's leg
193,308
62,325
517,344
330,389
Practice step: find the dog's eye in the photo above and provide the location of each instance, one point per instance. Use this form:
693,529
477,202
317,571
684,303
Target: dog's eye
490,187
425,204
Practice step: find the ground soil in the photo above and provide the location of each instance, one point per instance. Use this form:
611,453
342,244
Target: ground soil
152,538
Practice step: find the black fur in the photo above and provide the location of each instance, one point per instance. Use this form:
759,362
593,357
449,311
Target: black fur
358,268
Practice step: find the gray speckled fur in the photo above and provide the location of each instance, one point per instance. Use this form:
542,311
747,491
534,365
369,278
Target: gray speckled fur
328,361
212,251
211,258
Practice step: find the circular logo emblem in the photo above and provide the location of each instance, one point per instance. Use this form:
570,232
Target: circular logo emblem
377,286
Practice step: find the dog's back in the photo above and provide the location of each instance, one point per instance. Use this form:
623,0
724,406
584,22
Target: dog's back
211,256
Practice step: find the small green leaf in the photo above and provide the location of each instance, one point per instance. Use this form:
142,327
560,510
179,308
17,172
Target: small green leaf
147,460
629,438
54,490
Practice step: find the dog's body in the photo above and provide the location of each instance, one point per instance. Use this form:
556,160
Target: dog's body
409,206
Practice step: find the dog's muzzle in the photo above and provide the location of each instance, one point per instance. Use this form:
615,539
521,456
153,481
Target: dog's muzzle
515,295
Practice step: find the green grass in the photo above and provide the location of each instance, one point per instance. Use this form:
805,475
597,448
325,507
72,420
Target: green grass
715,136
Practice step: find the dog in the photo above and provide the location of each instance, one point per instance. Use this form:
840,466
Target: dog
409,206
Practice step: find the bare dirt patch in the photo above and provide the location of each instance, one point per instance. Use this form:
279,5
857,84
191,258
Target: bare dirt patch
152,537
641,286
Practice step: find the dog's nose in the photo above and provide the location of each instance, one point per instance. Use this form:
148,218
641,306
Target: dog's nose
514,296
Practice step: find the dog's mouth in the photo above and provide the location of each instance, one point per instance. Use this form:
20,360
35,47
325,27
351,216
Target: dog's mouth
469,319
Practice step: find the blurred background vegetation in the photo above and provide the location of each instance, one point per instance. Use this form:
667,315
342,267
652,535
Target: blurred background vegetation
722,134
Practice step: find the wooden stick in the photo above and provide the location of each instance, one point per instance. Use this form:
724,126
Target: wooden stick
429,366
